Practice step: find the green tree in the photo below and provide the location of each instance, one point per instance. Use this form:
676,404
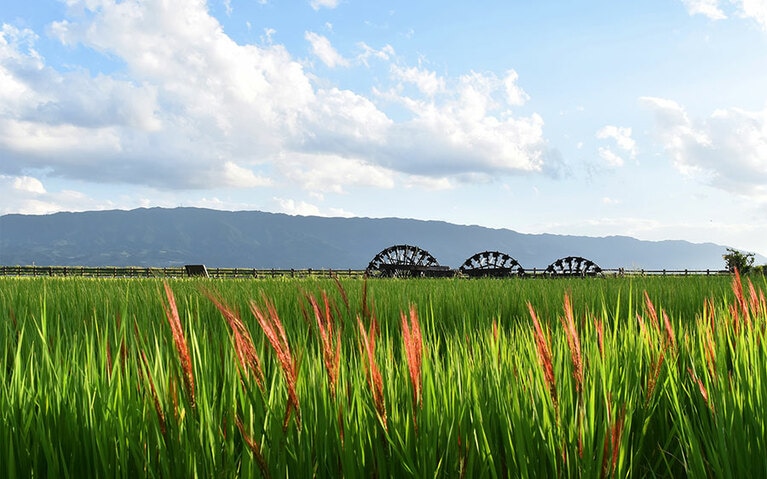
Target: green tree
737,259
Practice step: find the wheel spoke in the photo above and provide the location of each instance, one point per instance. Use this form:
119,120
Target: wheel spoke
573,266
491,263
403,261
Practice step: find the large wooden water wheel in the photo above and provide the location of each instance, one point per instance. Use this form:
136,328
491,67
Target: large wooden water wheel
491,263
573,266
405,261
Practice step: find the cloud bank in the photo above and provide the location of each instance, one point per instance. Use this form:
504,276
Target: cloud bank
728,149
190,108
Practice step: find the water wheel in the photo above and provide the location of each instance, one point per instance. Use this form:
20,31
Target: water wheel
405,261
491,263
573,266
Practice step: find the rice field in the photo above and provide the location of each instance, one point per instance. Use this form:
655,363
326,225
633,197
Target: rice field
599,377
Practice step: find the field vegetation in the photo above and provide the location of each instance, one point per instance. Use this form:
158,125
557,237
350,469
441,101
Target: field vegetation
595,377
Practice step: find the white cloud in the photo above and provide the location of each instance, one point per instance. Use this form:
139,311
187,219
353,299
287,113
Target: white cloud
195,97
426,81
293,207
623,141
317,4
27,195
514,94
17,54
28,184
236,176
756,9
428,183
470,128
45,139
328,173
322,48
728,149
302,208
267,36
384,54
342,123
610,157
708,8
714,9
622,137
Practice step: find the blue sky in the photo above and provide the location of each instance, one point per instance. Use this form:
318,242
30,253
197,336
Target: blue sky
598,118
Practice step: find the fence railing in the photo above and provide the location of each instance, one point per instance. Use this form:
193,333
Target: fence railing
255,273
169,272
666,272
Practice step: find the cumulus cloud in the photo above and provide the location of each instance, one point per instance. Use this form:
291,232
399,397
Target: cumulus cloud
469,128
756,9
623,141
728,149
189,108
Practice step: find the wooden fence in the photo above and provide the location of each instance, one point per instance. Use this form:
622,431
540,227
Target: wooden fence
255,273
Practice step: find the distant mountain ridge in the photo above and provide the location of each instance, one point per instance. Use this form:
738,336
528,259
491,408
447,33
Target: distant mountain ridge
171,237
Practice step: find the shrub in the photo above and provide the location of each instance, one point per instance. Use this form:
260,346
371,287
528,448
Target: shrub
737,259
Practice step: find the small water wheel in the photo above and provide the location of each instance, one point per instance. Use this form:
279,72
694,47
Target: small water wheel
573,266
491,263
405,261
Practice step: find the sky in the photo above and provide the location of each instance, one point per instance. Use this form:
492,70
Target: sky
646,119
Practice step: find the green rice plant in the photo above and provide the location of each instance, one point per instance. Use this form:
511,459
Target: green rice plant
611,377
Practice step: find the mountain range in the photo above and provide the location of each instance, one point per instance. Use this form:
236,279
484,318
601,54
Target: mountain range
163,237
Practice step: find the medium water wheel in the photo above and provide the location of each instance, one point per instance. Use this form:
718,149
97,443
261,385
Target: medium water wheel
491,263
405,261
573,266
